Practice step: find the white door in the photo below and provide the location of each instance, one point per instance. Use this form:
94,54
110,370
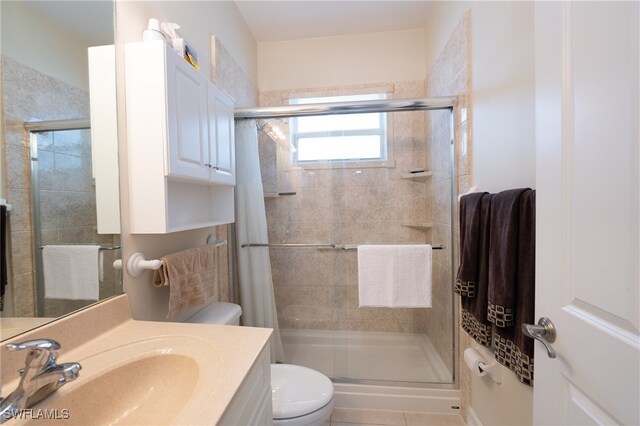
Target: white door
588,234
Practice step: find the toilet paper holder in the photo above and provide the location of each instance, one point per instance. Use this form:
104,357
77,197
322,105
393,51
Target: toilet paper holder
477,361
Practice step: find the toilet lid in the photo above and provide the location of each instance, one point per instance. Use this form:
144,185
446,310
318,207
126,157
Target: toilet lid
298,390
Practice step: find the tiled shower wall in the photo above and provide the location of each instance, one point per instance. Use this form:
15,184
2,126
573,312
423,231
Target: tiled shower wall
317,289
450,75
67,199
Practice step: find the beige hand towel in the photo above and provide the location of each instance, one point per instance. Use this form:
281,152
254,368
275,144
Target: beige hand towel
191,277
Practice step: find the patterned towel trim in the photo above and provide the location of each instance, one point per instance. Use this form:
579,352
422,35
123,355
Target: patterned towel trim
509,355
481,333
500,316
465,288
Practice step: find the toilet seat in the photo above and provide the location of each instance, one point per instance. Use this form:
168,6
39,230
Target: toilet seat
298,391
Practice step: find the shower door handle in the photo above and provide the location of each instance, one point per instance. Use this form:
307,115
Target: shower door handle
544,332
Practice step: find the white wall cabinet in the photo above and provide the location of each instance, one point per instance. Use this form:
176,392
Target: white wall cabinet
222,147
187,137
181,148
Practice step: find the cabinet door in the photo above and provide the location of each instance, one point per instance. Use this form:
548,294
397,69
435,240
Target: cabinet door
221,137
187,120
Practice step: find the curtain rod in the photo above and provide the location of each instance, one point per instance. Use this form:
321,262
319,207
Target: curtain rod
358,107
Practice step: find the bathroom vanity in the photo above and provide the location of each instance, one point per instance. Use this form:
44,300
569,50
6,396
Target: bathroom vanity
139,372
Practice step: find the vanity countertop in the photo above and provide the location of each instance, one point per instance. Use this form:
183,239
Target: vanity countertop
215,357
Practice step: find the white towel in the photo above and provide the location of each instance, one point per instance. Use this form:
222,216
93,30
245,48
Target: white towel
395,276
72,271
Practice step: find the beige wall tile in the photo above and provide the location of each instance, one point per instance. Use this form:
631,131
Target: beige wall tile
15,134
21,253
19,176
23,295
20,217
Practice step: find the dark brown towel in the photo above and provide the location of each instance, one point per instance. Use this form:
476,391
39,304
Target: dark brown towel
474,309
3,254
513,349
503,252
469,244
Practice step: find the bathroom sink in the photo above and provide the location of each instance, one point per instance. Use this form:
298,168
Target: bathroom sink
148,382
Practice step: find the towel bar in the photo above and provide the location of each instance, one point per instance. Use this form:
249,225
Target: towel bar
214,241
329,246
101,247
137,264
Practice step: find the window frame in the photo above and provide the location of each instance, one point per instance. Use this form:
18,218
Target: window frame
381,131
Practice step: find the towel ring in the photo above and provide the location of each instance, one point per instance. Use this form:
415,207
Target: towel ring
137,264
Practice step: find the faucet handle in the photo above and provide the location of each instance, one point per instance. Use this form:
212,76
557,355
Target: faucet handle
41,352
38,344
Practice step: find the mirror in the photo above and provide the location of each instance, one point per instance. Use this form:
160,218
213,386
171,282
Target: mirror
58,160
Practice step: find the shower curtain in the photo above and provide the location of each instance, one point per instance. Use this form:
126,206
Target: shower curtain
254,265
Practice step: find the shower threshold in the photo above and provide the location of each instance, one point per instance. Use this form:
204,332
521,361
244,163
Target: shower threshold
377,370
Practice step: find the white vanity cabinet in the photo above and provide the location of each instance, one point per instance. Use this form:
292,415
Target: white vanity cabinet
180,143
251,404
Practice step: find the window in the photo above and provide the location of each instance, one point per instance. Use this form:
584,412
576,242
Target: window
341,137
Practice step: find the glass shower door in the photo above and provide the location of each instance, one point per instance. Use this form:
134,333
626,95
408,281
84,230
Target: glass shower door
64,211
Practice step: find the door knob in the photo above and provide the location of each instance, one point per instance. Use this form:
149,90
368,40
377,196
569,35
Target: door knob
544,332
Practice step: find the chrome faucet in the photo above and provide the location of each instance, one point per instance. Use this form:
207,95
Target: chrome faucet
40,376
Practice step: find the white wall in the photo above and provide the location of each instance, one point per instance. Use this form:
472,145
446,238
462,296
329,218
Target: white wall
503,95
503,141
503,87
35,41
342,60
199,20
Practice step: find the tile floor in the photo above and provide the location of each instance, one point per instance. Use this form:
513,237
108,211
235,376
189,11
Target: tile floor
348,417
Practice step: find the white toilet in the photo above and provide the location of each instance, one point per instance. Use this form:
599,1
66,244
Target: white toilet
300,396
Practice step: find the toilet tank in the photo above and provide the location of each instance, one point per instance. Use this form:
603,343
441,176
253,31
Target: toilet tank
218,313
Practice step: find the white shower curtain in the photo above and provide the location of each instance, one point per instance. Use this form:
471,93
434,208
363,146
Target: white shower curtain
254,266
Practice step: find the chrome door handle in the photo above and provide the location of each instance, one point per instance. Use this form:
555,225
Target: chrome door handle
544,332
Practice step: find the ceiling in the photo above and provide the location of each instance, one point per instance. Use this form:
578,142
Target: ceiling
291,20
268,20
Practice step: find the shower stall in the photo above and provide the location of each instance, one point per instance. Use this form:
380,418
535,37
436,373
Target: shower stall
63,207
399,189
